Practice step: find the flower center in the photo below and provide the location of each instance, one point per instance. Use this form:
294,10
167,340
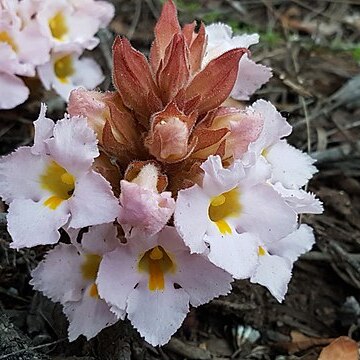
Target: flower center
6,38
224,206
89,270
64,68
59,182
156,262
261,251
58,26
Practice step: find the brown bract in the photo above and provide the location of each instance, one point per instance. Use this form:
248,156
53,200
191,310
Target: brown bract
165,108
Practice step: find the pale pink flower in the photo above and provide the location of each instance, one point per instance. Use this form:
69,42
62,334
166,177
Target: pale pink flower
228,213
68,274
142,207
251,76
22,47
276,260
51,183
155,279
65,72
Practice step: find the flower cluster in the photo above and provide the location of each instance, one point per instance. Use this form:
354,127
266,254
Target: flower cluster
178,193
48,37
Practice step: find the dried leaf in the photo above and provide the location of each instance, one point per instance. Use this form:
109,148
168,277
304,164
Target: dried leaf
342,348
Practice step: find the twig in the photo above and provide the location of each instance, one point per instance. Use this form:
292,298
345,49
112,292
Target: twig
187,350
31,348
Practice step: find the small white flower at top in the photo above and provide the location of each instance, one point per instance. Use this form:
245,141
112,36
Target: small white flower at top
65,72
251,76
51,184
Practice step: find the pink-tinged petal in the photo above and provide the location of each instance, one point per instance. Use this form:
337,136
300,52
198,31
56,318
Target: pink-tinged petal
100,239
275,126
59,275
73,145
244,130
274,273
218,179
290,166
20,174
93,201
88,316
144,209
265,213
251,77
13,91
118,275
202,280
43,130
32,223
157,314
192,205
235,253
89,104
292,246
300,201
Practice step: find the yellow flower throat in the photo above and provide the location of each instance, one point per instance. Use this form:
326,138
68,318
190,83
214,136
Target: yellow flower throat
59,182
156,262
224,206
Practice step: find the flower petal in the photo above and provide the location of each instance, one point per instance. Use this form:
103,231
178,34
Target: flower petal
192,204
73,145
236,253
157,314
218,179
59,276
251,76
93,201
290,166
32,223
13,91
201,279
265,213
144,209
118,275
43,130
20,174
274,273
292,246
275,126
88,316
194,273
87,73
299,200
100,239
